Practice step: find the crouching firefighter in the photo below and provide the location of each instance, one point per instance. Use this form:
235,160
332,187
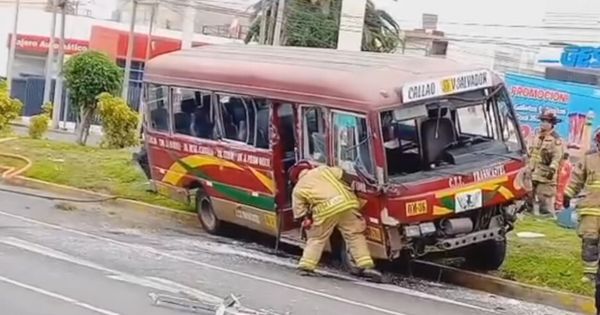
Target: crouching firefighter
586,175
324,201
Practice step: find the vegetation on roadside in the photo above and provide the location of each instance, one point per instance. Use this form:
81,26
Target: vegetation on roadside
39,123
95,169
119,122
10,108
551,261
87,75
315,23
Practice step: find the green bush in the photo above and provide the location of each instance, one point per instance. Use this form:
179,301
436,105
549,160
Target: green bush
10,108
119,122
38,124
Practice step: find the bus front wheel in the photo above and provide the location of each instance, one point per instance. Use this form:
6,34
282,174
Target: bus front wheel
206,214
487,256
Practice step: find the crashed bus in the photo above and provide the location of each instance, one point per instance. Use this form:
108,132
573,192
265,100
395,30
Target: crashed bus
432,146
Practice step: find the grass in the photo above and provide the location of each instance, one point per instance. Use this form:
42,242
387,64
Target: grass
100,170
553,261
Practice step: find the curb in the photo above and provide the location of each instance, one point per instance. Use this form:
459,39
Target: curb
472,280
85,194
511,289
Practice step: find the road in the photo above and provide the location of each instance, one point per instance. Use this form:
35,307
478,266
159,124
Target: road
91,259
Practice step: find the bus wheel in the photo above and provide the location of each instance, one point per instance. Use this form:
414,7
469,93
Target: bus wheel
206,213
486,256
342,253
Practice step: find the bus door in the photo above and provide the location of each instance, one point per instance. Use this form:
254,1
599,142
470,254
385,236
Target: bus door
284,157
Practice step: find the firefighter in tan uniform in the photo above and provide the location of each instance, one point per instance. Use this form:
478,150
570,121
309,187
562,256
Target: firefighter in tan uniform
586,175
323,201
545,154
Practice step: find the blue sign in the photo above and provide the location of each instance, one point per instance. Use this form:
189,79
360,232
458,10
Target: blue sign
577,57
574,104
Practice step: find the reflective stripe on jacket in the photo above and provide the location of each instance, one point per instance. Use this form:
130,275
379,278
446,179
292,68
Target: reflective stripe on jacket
323,191
586,176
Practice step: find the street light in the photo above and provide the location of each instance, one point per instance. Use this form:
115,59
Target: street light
13,46
50,57
58,88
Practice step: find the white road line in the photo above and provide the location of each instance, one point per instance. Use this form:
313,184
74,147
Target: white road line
147,282
209,266
57,296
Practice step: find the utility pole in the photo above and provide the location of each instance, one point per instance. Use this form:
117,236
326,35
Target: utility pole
279,23
50,57
148,54
125,92
262,37
189,18
352,21
58,88
13,46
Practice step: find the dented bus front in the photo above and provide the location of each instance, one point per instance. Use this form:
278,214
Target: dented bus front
455,168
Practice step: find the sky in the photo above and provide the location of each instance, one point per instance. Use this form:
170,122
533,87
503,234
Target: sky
408,13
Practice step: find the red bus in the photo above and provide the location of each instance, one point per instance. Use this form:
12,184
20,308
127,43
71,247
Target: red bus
433,146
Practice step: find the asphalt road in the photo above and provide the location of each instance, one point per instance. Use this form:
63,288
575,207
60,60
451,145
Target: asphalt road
92,259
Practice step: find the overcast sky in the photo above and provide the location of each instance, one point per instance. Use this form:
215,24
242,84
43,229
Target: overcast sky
408,13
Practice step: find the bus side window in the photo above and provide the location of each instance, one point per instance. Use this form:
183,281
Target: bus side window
157,103
352,145
193,113
315,141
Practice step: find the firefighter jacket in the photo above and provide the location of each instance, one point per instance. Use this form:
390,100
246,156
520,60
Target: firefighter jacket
586,175
545,155
322,192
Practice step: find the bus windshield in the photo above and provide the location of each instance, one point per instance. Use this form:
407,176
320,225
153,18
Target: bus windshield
455,133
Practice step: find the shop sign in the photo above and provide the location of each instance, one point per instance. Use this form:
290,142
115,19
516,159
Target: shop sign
40,44
583,57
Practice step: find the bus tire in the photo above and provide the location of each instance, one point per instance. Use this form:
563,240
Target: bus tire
487,256
206,213
343,256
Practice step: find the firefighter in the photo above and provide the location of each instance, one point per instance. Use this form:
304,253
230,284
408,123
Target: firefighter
586,175
323,201
545,155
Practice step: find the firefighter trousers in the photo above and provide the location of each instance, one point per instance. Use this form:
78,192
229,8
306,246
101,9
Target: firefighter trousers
545,195
589,231
352,227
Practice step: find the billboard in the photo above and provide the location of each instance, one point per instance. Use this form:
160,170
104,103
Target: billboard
574,104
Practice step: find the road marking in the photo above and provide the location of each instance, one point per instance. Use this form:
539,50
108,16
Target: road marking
209,266
57,296
147,282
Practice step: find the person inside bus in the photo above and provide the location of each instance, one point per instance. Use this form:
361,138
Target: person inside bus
160,117
203,120
183,119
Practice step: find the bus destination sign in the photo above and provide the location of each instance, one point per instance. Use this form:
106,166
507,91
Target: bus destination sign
462,82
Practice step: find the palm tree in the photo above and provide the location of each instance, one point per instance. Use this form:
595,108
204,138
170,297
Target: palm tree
315,23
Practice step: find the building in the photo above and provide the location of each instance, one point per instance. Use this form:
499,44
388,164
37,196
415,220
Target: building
81,33
210,19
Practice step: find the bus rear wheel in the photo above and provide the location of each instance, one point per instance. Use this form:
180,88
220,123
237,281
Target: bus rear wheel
487,256
206,214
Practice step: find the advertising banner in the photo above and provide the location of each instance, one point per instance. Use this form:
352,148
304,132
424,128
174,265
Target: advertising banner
574,104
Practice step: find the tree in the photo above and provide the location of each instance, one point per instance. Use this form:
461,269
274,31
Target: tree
87,75
315,23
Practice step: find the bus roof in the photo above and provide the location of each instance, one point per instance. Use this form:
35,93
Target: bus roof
358,81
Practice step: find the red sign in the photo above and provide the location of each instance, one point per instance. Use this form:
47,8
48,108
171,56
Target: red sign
114,43
40,44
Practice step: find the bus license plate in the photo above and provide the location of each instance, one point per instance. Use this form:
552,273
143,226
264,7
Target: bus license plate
468,200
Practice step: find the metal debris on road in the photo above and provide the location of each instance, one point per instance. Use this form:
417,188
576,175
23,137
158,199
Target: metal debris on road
231,305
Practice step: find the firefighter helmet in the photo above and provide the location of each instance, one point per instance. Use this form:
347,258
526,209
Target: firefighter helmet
550,117
297,169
